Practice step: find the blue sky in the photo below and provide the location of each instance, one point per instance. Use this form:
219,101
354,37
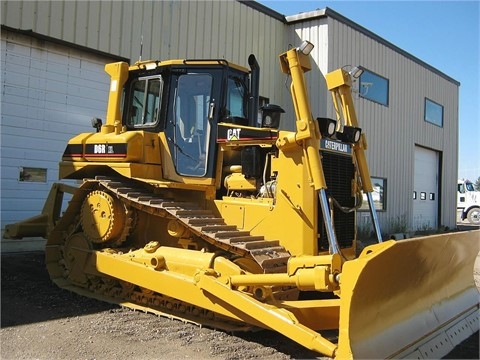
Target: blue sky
444,34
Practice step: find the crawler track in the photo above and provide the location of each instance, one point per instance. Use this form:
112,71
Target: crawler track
267,253
202,223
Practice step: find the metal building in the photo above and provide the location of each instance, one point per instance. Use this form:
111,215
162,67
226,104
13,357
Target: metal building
53,83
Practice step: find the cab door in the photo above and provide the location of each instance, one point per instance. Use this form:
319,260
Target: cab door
190,123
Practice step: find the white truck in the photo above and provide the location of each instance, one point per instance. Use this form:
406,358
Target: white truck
468,201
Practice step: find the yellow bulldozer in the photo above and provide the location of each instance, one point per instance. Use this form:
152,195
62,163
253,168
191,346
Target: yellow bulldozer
194,205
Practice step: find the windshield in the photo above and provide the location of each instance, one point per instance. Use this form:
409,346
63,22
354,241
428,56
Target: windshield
469,186
192,128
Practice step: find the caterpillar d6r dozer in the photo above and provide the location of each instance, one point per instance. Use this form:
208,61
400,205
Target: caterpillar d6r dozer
192,207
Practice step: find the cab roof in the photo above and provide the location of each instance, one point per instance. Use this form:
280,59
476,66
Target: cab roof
152,64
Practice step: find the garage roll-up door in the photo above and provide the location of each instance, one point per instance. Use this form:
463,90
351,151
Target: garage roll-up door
50,92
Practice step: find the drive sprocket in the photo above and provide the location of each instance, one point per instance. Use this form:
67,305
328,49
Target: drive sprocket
105,219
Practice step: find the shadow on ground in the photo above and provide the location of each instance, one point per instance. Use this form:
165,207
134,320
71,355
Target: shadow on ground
29,296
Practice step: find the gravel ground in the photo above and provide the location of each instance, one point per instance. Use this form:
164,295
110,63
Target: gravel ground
41,321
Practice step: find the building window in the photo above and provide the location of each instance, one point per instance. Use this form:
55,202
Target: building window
379,195
433,112
31,174
373,87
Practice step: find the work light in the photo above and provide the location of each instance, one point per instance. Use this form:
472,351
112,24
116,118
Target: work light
350,134
327,126
306,47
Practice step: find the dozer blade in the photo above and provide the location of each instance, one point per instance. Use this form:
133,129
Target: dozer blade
409,299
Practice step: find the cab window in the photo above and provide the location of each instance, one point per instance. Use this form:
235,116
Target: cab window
145,101
236,98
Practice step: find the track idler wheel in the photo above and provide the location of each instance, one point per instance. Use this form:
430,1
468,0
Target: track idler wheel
75,252
105,219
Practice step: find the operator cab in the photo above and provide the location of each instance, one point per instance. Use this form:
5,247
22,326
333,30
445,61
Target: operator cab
186,99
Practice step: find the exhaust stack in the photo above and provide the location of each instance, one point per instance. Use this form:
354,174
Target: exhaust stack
254,90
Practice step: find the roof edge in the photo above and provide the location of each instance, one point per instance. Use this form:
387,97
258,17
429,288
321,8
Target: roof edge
328,12
307,16
263,9
36,35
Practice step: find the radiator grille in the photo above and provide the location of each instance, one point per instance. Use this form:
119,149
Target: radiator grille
339,174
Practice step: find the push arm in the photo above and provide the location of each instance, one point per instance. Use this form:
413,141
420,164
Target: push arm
339,83
295,63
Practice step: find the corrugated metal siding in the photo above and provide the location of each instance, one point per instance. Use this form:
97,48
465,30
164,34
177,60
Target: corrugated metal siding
394,130
170,29
49,93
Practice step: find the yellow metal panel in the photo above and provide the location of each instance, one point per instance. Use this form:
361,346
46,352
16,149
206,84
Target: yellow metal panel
293,220
145,172
134,141
398,292
315,314
244,212
151,150
337,78
233,214
118,73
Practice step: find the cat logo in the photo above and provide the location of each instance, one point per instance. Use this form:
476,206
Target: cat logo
233,134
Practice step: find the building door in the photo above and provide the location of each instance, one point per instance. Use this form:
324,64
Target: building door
426,189
50,93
